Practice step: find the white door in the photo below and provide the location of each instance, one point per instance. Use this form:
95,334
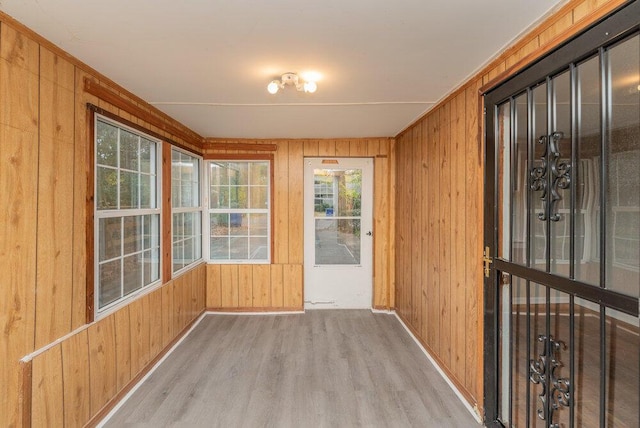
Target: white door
338,238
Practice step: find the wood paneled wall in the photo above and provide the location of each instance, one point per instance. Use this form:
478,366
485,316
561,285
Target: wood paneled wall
44,166
439,207
279,286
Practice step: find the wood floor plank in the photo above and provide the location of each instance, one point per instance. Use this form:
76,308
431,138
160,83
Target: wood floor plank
321,368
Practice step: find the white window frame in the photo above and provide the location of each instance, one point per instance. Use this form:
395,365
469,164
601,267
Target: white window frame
121,213
206,227
196,209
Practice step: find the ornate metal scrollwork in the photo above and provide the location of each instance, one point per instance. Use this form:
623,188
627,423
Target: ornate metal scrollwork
557,393
560,176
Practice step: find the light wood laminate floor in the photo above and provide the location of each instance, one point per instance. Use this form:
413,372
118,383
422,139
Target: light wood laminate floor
324,368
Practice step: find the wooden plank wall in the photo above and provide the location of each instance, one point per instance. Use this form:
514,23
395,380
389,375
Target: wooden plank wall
43,258
279,286
439,215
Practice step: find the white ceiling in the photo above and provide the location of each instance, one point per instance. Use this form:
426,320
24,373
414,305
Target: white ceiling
207,62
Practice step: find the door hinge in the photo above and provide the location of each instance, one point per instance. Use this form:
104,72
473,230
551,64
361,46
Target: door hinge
487,260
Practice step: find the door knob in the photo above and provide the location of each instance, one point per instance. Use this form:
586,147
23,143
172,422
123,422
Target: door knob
369,233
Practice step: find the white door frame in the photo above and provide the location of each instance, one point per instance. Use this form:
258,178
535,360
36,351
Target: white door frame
338,286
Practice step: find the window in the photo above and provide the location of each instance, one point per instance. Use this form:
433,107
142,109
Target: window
187,209
239,211
127,213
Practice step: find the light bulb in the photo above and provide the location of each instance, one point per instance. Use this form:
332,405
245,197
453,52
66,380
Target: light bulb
310,87
273,87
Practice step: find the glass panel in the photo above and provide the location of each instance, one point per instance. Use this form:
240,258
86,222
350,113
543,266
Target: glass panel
133,234
538,329
258,224
147,199
219,197
337,192
110,277
178,256
218,174
504,180
187,196
259,173
521,184
258,249
238,173
110,238
107,144
518,352
623,362
178,232
238,224
623,179
219,224
176,201
187,251
147,268
128,150
132,273
560,241
128,190
239,247
560,335
107,189
538,226
154,226
259,198
587,363
337,242
147,156
239,197
219,248
587,238
155,266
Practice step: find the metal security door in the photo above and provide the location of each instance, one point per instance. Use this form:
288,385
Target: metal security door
563,219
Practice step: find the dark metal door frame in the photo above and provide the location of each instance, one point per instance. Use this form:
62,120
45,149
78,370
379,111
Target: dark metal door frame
608,31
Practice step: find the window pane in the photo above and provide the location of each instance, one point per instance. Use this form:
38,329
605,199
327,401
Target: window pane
259,198
147,191
132,273
107,189
219,224
238,173
178,256
128,150
133,233
155,266
238,197
110,274
147,156
219,248
239,247
258,249
587,239
259,173
106,144
238,224
187,251
187,197
218,174
337,242
109,238
219,197
622,237
176,201
258,224
128,190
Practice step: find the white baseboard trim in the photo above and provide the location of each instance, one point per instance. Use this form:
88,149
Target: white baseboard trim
253,314
464,401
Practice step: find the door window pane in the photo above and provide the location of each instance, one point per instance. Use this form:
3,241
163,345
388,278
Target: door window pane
337,241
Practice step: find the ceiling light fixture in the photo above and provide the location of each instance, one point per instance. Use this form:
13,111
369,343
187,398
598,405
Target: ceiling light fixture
291,79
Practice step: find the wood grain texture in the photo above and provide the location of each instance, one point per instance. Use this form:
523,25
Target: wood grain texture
354,369
295,206
77,384
55,202
214,286
47,408
19,120
277,286
102,362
